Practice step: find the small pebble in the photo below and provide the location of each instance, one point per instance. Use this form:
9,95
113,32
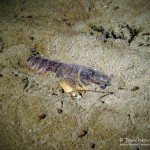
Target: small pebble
59,111
64,19
1,75
103,102
16,15
31,38
115,8
141,44
69,24
92,145
91,33
82,133
62,91
30,17
135,88
121,88
42,116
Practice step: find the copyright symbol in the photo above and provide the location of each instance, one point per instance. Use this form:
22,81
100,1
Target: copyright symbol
121,139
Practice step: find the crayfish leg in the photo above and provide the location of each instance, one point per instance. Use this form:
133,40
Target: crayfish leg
65,86
79,91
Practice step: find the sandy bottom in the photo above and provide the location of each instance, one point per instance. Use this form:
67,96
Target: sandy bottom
110,36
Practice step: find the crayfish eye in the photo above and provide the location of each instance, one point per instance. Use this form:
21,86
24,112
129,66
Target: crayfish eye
103,86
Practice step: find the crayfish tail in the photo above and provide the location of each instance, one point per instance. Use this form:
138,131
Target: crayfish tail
42,65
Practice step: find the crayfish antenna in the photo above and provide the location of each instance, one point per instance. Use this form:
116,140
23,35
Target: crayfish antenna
105,92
